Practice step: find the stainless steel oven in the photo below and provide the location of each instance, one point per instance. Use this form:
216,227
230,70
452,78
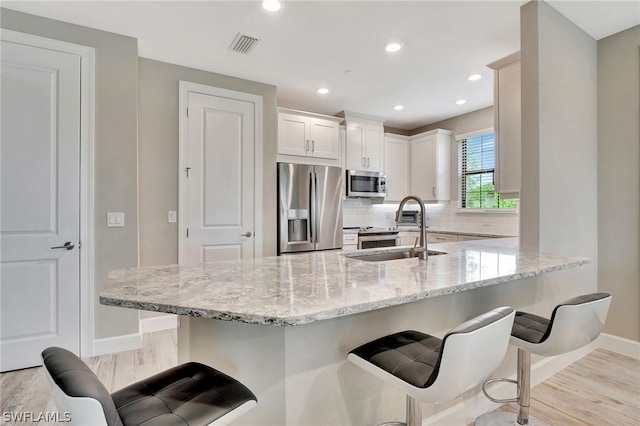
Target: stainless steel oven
376,238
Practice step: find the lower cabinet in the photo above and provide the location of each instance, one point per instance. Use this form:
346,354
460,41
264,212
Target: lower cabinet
349,242
441,238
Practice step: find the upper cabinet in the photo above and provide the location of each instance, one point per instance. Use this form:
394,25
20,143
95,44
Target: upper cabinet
430,165
506,98
308,134
396,166
365,143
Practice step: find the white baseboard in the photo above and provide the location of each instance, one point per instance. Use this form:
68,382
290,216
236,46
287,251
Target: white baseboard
620,345
110,345
164,322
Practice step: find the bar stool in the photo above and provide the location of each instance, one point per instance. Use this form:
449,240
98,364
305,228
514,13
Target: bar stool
189,394
434,370
574,323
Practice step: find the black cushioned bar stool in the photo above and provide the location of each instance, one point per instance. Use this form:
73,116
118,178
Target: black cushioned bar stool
573,324
433,370
189,394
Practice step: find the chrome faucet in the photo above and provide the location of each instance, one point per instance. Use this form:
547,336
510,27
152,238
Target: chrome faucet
423,230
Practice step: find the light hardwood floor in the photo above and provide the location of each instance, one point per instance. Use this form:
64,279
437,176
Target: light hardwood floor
603,388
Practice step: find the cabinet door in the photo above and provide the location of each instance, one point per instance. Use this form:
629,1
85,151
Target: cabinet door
395,167
441,238
508,125
293,134
324,136
354,149
423,163
374,153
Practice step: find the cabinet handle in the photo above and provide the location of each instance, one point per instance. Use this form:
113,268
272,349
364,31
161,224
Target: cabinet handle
364,162
434,190
368,162
313,145
306,145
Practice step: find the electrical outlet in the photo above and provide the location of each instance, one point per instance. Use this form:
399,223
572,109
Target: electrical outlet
173,216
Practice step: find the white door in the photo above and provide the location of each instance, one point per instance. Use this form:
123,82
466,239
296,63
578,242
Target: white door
221,178
40,174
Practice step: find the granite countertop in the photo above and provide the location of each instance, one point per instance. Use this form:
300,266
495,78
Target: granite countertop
303,288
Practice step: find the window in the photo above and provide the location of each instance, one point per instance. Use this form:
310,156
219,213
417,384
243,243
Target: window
476,171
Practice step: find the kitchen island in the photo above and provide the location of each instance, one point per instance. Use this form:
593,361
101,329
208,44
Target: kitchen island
284,325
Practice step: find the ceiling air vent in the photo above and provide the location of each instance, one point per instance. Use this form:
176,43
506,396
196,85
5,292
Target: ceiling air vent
244,44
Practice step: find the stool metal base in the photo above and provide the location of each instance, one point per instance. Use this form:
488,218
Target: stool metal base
503,418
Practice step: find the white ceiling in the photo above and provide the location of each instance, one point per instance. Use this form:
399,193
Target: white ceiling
310,44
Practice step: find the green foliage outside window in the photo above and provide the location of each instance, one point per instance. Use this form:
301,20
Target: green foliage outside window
476,166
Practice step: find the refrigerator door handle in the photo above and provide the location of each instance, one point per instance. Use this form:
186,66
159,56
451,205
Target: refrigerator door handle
312,207
316,226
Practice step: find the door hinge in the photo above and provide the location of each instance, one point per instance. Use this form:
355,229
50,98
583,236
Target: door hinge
187,170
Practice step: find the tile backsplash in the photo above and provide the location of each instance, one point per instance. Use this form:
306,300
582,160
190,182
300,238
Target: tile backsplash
441,216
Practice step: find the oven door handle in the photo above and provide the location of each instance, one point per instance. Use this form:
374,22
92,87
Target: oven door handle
378,237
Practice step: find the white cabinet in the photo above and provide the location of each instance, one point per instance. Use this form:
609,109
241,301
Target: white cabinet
396,166
364,144
441,238
307,134
408,238
349,242
430,165
507,107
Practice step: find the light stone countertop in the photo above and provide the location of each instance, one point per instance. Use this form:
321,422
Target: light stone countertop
303,288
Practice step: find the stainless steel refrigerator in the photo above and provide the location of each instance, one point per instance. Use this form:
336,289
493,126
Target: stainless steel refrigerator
309,207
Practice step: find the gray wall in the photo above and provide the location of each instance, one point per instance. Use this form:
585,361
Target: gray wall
558,204
116,152
619,179
158,133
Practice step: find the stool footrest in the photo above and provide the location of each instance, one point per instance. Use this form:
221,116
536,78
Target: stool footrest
500,401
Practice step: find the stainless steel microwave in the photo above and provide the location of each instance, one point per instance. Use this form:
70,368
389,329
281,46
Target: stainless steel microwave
366,184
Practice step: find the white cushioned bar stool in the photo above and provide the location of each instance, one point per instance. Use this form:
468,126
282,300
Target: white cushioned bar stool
573,324
189,394
433,370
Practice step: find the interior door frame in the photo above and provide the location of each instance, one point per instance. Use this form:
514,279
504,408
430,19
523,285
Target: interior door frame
186,87
87,141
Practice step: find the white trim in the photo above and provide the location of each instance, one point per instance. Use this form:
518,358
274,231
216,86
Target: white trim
487,211
87,142
474,133
109,345
164,322
185,88
620,345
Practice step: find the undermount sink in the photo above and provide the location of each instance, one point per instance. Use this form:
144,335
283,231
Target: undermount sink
393,255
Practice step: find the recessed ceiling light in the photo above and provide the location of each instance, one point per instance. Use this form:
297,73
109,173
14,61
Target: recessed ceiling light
474,77
323,91
398,107
272,5
393,47
461,102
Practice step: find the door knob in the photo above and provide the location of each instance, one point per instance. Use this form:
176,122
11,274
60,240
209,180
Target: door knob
68,245
246,234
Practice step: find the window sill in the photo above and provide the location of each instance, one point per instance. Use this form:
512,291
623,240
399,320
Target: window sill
488,211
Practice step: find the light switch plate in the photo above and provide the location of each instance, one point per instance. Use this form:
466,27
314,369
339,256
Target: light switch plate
173,216
115,219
